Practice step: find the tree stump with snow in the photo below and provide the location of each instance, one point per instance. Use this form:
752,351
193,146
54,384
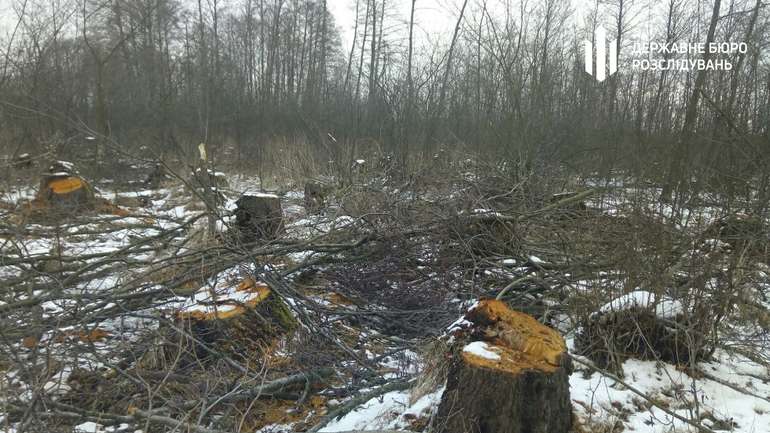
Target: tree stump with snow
513,376
569,205
242,321
258,217
485,232
61,188
63,192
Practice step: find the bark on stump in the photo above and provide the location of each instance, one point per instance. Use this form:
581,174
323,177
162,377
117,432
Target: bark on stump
518,384
258,217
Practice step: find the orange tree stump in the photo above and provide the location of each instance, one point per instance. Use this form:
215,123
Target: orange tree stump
243,323
65,191
509,374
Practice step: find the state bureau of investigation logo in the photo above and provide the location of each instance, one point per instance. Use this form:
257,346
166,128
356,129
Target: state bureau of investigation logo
604,68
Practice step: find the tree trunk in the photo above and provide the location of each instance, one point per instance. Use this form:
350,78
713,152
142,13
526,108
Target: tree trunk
676,169
409,91
433,125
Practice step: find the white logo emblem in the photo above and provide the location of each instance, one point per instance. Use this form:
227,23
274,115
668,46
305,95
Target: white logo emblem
600,36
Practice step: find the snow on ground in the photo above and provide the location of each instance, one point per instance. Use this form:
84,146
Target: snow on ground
600,400
664,306
392,410
597,400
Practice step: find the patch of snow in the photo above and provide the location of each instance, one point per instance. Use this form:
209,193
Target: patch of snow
300,256
598,398
665,307
365,415
458,324
487,212
294,195
392,410
66,164
89,427
481,349
259,194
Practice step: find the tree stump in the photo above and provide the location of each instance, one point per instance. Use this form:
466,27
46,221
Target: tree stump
314,197
61,187
485,233
243,321
509,374
63,192
157,176
258,217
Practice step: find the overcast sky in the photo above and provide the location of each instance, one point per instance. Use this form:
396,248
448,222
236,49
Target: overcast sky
432,17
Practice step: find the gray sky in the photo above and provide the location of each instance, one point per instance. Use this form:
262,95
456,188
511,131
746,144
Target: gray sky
434,18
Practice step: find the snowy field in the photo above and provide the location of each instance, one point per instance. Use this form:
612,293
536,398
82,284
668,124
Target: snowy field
729,392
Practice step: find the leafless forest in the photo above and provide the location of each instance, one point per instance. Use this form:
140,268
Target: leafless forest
326,215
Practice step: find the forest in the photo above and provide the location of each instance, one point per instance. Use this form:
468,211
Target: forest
440,216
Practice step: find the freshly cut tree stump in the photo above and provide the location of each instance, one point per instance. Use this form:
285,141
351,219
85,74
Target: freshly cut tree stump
242,321
258,217
63,191
62,188
509,374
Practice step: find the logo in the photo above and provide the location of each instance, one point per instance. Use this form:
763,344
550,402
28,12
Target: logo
600,36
